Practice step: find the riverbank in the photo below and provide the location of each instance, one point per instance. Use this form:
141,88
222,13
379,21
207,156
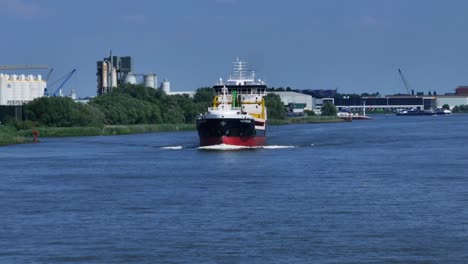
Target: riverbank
9,135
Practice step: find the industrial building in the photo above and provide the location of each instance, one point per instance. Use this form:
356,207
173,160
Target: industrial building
385,103
20,89
461,91
296,102
114,70
451,100
392,103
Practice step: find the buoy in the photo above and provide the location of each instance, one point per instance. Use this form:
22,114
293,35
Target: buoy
35,134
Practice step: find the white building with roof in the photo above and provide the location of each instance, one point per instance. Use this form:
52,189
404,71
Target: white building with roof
297,101
451,100
20,89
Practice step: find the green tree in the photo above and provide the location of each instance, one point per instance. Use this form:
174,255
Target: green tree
63,112
275,107
121,108
329,109
204,94
309,112
446,106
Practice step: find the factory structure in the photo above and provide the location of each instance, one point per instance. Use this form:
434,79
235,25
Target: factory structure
19,89
295,102
114,70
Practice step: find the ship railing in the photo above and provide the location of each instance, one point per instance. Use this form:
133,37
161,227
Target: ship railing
221,108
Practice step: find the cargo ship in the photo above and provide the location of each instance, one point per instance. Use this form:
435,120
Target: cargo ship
238,115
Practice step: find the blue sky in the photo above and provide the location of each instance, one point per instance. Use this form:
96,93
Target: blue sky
353,45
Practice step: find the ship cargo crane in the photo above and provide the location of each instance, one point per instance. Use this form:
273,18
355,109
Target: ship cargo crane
65,78
23,67
405,83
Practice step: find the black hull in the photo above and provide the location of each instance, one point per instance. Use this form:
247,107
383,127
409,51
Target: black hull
227,127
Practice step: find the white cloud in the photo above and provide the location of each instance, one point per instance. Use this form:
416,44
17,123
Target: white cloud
21,8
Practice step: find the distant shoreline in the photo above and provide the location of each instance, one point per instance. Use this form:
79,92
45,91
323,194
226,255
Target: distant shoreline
9,136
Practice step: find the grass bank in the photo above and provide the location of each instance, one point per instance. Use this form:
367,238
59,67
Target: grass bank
305,120
9,135
106,130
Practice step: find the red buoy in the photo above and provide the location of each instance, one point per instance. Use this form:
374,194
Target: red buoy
35,134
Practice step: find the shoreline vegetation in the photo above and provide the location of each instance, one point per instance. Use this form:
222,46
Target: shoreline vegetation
129,109
9,135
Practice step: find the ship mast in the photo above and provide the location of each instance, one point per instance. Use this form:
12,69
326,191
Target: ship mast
240,76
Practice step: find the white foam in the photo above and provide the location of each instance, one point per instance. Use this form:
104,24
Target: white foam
233,147
277,147
224,147
173,147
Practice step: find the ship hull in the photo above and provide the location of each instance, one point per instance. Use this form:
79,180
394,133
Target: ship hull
233,131
252,141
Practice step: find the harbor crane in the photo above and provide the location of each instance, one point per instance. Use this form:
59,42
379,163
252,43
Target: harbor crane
405,83
48,74
64,80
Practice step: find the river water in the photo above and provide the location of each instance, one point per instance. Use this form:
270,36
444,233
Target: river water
389,190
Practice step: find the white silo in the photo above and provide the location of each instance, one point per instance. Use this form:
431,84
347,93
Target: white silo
73,94
25,92
114,78
104,76
150,80
166,86
130,78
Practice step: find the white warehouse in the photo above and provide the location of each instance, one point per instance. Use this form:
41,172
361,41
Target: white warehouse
298,101
20,89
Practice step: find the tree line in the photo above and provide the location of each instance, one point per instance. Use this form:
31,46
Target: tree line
130,104
460,109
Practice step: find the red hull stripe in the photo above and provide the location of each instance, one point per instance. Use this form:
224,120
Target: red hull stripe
236,141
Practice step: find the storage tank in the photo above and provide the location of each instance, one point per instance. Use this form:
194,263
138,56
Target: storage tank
150,80
130,78
73,94
114,78
166,86
104,75
25,92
